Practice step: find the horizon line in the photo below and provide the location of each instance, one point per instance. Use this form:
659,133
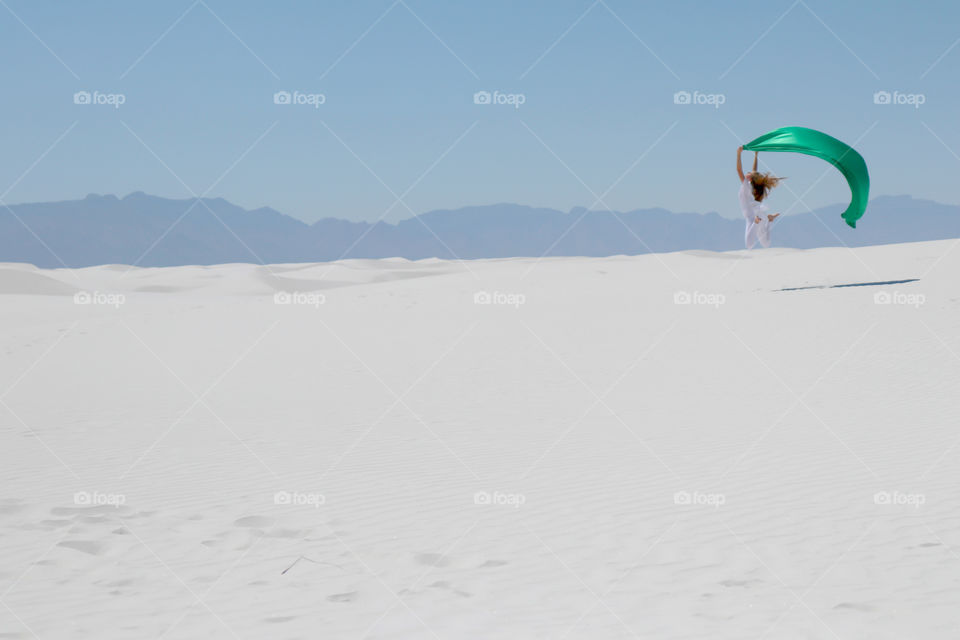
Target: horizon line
577,208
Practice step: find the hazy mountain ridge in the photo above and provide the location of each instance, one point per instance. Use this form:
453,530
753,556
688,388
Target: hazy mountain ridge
153,231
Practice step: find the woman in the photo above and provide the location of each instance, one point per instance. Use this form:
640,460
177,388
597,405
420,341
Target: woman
754,188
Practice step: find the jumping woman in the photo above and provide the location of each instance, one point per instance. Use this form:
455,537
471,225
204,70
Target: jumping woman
754,188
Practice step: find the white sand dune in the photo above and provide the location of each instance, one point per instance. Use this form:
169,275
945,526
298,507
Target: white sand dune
662,446
30,282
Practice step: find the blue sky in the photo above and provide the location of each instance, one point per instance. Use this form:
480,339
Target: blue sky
597,80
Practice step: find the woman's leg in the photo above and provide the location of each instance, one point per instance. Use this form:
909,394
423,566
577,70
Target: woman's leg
750,235
763,232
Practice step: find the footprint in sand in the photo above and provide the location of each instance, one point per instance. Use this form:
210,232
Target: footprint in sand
279,532
93,519
253,522
443,584
276,619
738,583
490,564
91,547
94,513
10,507
343,597
119,583
432,559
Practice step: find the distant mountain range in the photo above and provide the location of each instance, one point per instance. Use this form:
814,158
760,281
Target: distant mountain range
150,231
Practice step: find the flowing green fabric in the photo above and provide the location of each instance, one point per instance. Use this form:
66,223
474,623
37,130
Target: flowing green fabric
842,156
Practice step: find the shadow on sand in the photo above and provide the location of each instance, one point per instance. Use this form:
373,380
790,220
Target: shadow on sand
852,284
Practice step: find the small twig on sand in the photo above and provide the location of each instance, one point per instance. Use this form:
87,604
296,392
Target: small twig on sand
309,560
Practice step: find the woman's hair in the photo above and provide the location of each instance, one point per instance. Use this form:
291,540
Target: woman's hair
762,183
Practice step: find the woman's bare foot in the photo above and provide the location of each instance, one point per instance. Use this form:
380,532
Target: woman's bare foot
772,217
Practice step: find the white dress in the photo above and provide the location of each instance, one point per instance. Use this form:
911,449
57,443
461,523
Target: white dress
751,210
